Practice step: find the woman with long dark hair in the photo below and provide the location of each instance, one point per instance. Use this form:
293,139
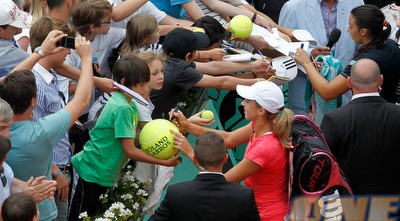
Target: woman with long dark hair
369,28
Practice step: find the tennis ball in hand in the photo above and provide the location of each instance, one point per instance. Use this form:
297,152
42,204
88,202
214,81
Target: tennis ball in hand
207,114
156,139
241,26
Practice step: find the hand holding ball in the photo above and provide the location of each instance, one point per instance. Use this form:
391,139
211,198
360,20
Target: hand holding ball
241,26
207,114
156,139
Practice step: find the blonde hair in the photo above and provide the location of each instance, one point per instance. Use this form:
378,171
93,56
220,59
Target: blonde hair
36,10
150,56
282,126
138,28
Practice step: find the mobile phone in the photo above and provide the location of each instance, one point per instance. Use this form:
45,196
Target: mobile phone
67,42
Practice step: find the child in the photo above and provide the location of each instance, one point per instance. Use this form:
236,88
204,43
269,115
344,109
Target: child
19,206
143,34
112,140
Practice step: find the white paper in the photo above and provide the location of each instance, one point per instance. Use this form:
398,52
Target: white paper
237,57
273,39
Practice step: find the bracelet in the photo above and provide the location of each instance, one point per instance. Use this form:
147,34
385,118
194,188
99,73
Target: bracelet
254,74
307,63
58,172
253,19
198,55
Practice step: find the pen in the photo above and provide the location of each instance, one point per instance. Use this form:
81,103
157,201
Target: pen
302,45
226,49
260,53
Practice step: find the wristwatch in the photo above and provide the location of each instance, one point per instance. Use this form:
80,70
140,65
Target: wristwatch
38,50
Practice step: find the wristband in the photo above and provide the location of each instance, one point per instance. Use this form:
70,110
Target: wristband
253,19
58,172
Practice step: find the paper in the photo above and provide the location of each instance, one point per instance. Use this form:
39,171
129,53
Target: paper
237,57
273,39
304,35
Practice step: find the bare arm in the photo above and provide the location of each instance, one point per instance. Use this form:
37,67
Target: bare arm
169,20
327,90
232,139
227,9
193,10
125,9
241,171
134,153
224,82
227,67
48,47
85,83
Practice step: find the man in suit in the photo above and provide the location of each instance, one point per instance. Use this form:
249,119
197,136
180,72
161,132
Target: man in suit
209,196
319,17
363,135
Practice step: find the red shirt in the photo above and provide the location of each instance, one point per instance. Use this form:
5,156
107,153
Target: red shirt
270,182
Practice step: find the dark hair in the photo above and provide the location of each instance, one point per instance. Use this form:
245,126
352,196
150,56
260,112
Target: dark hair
371,17
5,146
18,88
215,31
19,206
133,69
4,27
209,149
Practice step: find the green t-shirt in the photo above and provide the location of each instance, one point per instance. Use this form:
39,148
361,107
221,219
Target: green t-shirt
102,157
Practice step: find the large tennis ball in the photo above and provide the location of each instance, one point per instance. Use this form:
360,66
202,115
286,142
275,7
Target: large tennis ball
207,114
156,139
241,26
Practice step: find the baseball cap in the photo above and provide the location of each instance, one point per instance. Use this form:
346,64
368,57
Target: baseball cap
265,93
180,41
10,14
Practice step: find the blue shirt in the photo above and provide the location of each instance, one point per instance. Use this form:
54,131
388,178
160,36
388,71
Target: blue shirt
171,7
49,102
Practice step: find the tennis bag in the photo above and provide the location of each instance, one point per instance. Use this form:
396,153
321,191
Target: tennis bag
315,172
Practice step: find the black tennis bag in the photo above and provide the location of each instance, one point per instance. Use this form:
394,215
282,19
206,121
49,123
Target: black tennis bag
315,172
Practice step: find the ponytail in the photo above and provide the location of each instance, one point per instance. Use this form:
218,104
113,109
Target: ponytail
282,127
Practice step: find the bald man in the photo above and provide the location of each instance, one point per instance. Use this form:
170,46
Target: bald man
363,135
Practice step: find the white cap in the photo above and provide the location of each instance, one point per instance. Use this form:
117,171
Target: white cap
265,93
10,14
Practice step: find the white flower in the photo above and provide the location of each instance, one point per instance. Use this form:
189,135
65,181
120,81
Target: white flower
135,206
84,214
127,196
141,192
109,214
103,196
102,219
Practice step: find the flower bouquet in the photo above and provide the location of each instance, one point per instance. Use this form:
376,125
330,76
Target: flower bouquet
124,201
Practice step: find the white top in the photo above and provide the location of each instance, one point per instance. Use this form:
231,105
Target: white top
5,191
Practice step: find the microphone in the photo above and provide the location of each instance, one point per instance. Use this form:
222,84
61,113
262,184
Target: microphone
333,37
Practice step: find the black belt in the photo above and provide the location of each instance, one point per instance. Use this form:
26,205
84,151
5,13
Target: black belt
66,167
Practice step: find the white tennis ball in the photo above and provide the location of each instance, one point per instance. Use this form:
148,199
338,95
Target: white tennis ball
241,26
156,139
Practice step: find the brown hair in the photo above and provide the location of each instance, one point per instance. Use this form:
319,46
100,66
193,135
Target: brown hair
42,27
138,29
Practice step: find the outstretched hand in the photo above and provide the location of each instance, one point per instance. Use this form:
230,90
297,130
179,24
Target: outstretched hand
182,144
197,119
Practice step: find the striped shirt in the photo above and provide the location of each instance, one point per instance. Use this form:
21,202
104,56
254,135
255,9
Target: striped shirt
49,102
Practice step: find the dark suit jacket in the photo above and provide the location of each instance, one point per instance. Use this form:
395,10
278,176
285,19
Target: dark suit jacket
364,136
208,197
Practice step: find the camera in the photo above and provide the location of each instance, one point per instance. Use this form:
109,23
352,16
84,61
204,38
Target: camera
67,42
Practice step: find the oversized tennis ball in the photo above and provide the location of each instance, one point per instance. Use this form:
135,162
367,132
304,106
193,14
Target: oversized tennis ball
241,26
156,139
207,114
